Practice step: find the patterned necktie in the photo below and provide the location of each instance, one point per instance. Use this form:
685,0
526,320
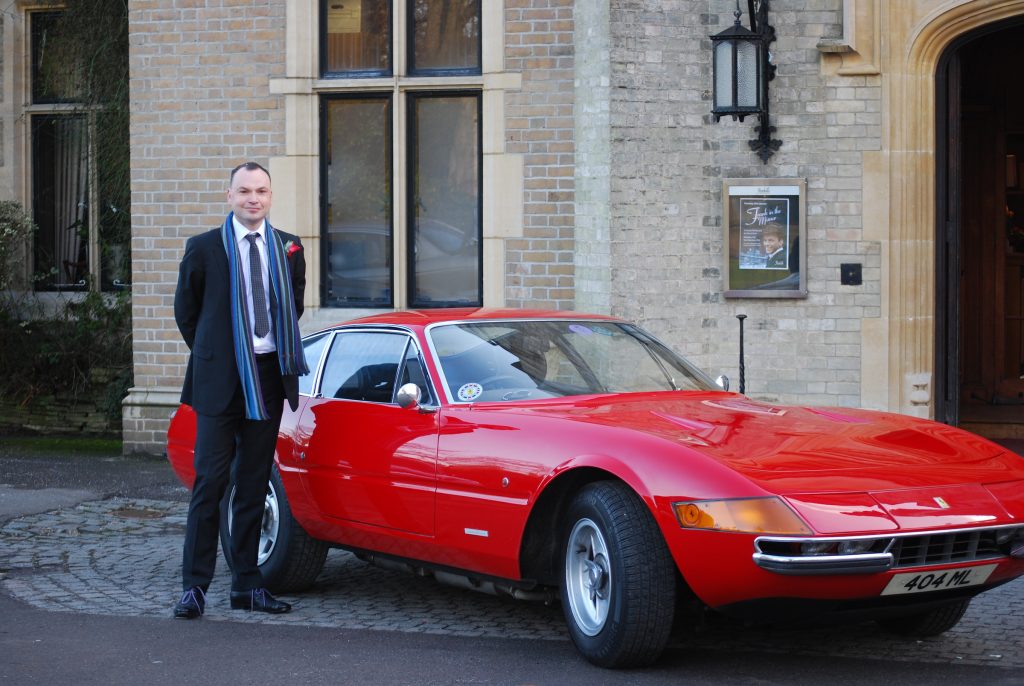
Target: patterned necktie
261,327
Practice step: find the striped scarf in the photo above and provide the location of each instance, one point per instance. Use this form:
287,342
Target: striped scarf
286,324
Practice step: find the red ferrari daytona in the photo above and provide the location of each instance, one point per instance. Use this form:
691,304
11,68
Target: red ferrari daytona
549,454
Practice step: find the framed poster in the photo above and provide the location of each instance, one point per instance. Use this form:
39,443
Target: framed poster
764,223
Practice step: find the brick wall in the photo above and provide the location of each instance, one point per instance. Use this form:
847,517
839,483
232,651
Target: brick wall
668,159
63,415
539,124
200,104
622,163
592,258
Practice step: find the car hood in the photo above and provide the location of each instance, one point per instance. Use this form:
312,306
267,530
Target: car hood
788,450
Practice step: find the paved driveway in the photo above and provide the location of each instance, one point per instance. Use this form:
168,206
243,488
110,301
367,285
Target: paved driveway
121,556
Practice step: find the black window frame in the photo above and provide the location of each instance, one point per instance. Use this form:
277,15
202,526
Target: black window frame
46,220
325,272
410,199
410,48
356,73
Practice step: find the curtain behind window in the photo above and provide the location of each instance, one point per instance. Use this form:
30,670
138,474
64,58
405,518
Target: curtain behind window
60,195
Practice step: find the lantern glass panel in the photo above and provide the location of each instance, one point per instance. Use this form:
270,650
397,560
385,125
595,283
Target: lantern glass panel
723,74
747,72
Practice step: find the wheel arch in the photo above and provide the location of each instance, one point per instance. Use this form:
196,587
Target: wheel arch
538,552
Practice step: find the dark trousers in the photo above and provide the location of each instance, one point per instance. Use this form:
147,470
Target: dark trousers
230,447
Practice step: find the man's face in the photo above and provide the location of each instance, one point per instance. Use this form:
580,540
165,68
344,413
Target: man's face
771,243
249,197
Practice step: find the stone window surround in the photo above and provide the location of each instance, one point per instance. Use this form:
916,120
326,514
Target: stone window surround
297,172
16,170
904,46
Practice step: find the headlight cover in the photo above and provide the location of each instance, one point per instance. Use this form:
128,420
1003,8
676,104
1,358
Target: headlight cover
767,515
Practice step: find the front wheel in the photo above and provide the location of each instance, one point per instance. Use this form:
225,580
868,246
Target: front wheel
932,622
619,586
289,559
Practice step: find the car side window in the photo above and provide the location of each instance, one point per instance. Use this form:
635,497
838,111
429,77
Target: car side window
363,365
413,372
313,348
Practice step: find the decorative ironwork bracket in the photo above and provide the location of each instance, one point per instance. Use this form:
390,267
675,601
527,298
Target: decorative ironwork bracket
764,145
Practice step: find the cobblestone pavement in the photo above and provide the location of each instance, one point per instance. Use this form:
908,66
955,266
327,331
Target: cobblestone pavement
121,557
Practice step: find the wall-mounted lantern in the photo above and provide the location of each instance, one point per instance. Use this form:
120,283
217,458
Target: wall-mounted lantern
742,70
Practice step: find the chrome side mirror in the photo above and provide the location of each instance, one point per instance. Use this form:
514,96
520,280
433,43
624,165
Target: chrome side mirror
408,395
723,382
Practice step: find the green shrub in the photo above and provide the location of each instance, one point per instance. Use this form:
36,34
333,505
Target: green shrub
16,226
83,351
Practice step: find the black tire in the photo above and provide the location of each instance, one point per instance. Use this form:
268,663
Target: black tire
619,580
290,558
932,622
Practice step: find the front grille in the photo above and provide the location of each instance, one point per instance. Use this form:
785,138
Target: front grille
873,554
944,548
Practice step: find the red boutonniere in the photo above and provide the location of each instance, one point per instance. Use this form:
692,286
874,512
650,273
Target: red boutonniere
291,247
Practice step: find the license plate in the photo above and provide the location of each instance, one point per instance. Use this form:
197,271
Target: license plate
942,580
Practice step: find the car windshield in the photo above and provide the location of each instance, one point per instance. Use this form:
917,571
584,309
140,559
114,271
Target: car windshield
519,360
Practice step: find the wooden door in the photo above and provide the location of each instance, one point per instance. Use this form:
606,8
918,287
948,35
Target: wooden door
947,268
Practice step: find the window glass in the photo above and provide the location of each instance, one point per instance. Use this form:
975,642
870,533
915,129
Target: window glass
357,36
358,246
561,369
445,35
413,372
439,192
363,366
60,200
54,76
502,361
621,362
115,222
313,349
444,211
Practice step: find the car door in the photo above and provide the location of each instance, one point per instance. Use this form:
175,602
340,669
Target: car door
367,460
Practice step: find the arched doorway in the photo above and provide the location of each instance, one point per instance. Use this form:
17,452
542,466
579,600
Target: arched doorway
980,232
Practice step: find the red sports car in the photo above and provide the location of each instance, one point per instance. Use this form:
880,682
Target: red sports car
544,454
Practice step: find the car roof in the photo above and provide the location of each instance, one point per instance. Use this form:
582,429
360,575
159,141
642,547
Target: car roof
418,319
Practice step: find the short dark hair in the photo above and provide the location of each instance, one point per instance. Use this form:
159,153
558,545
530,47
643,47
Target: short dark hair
774,229
248,166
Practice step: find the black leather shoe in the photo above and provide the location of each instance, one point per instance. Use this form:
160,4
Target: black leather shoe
258,600
191,605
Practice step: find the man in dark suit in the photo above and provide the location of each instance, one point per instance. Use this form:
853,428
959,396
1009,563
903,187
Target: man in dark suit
773,240
237,303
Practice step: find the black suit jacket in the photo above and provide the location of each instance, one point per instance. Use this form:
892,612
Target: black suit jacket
777,260
202,310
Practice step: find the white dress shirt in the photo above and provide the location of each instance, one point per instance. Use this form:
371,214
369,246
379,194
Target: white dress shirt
267,344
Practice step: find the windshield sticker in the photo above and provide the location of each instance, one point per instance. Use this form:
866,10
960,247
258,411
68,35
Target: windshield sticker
580,329
469,391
